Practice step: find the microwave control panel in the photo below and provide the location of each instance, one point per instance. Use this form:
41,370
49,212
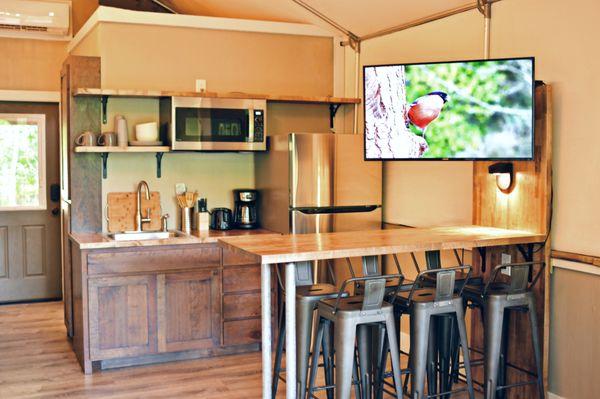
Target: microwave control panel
259,125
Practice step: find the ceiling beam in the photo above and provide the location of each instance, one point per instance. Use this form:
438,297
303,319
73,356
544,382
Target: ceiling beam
425,20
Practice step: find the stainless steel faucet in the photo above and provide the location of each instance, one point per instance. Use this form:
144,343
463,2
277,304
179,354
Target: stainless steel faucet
139,219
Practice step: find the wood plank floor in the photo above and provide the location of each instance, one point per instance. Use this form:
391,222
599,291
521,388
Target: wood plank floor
36,361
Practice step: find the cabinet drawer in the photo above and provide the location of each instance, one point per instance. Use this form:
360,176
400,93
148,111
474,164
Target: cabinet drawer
241,278
239,306
233,258
241,332
142,260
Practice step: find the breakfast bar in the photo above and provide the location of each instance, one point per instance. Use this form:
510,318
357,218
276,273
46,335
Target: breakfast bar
288,249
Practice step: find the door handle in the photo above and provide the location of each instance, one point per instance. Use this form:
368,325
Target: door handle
55,211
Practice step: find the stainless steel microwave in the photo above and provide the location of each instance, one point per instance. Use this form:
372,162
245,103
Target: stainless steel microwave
214,124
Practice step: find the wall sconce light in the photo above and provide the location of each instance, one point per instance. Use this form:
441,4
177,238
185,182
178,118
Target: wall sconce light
504,175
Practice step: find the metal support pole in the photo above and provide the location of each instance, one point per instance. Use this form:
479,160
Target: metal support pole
290,331
265,296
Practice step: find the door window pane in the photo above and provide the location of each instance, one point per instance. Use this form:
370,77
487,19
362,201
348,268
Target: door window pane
22,162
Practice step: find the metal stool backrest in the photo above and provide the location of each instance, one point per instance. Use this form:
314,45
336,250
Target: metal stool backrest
304,274
374,292
519,276
445,281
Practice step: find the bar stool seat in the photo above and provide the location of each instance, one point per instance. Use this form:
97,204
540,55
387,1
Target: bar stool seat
317,291
348,304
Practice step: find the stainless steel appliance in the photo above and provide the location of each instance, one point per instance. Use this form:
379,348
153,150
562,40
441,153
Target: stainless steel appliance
245,214
221,219
213,124
318,183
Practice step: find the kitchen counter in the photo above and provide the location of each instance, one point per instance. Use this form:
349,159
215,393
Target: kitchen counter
102,241
148,301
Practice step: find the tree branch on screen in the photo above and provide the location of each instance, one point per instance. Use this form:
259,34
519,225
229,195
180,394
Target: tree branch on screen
386,133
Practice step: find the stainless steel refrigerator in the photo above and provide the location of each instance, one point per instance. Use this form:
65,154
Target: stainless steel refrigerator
318,182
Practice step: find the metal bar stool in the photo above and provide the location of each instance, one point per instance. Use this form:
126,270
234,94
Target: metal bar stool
444,355
370,338
347,315
497,299
308,295
424,303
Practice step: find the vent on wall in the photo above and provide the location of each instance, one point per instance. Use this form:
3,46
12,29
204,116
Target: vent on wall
34,19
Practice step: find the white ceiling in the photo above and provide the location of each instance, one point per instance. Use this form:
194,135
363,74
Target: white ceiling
361,17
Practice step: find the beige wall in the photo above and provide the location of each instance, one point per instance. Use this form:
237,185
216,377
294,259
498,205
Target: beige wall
151,57
81,11
422,193
32,64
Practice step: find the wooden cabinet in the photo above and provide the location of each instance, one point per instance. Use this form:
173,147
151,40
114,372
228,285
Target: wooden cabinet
144,305
122,316
189,310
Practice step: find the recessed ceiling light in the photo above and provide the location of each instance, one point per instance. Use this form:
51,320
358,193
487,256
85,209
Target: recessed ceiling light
50,14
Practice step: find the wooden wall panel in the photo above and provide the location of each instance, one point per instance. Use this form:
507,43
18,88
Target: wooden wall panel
526,207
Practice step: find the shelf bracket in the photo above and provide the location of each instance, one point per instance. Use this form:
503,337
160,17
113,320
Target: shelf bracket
333,109
104,101
159,156
482,254
104,156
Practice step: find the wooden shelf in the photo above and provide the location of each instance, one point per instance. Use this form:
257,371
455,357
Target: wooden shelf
131,149
105,150
159,93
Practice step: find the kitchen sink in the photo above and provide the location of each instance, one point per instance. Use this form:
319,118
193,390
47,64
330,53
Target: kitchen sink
145,235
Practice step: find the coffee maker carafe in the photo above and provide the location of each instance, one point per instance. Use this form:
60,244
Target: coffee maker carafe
245,214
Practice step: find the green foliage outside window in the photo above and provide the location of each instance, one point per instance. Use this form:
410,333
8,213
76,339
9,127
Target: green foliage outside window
19,163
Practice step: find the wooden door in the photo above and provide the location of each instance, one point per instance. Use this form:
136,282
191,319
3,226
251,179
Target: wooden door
29,214
189,312
122,316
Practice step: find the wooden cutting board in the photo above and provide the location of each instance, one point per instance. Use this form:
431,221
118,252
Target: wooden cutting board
123,206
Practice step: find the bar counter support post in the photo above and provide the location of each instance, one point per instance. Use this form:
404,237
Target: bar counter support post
290,331
265,296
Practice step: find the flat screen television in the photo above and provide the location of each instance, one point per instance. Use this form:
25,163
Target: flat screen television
460,110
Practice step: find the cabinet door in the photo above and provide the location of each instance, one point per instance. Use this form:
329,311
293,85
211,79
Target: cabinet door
189,310
122,316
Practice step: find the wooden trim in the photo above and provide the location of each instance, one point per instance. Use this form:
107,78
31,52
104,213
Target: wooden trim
30,96
117,15
130,149
575,257
236,95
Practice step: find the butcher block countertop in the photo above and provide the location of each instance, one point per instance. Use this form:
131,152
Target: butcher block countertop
307,247
103,241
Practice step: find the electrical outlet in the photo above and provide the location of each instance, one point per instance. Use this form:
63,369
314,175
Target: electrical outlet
506,258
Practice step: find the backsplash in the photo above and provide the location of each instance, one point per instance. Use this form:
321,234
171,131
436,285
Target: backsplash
214,175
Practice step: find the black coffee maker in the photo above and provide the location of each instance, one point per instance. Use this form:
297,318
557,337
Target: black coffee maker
245,215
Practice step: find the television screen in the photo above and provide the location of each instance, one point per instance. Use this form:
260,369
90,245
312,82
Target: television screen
465,110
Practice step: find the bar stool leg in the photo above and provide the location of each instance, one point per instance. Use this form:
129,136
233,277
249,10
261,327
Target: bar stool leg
304,318
462,332
365,366
344,338
494,311
317,345
328,358
444,335
432,357
419,340
536,345
278,354
395,354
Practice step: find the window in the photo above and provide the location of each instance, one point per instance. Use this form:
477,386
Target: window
22,162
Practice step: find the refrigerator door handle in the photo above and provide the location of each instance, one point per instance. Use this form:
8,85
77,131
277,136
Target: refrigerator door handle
316,210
